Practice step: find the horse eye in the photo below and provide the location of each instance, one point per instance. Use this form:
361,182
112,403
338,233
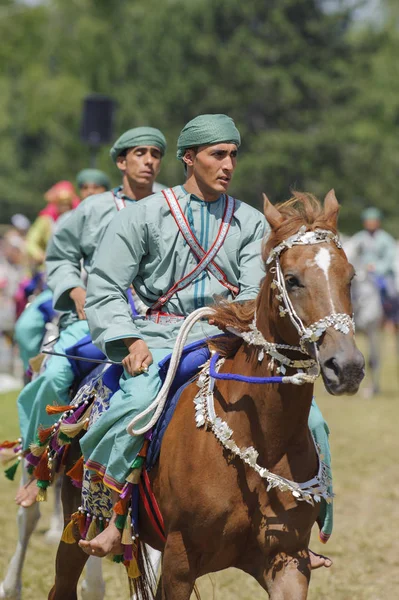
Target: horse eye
291,282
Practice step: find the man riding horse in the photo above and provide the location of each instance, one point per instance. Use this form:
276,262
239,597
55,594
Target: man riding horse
182,249
137,154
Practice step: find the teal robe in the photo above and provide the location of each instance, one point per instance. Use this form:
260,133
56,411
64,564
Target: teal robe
75,239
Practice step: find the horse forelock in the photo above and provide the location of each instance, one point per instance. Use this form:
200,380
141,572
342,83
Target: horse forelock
301,209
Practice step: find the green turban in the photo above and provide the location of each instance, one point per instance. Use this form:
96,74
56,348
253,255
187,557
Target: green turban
207,129
371,214
139,136
93,176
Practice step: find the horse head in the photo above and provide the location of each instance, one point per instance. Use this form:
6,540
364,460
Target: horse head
305,299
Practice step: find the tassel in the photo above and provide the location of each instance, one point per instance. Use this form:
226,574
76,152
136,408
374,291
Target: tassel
7,455
63,439
78,411
120,508
127,532
32,461
144,449
42,471
100,524
81,522
10,472
128,553
134,476
120,521
44,434
87,525
67,534
92,531
138,462
76,472
72,430
36,362
127,491
117,558
8,444
55,410
132,569
37,450
41,495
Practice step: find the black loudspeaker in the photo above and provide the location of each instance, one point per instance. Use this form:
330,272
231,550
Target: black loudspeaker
97,120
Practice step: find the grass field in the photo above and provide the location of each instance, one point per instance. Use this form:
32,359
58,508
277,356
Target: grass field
364,545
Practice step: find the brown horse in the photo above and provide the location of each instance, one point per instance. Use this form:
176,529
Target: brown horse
218,510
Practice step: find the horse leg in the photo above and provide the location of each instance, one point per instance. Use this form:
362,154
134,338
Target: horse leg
27,519
374,360
288,577
178,577
93,586
53,535
70,559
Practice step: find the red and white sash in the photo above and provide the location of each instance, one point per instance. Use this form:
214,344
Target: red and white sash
119,201
206,259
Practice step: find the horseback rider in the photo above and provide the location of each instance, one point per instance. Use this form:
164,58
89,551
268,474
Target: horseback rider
30,327
159,245
374,250
137,154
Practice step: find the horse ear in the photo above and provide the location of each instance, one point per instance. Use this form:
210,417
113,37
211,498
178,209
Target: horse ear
273,217
331,208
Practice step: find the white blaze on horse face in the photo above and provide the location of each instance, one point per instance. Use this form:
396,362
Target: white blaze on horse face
323,261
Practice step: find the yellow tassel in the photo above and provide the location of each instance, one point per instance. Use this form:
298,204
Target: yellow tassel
36,362
72,430
133,570
127,532
41,495
37,450
67,534
7,455
92,531
134,476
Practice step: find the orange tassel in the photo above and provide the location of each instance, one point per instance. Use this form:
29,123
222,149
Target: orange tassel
64,456
144,449
55,410
42,471
44,434
8,444
120,507
76,472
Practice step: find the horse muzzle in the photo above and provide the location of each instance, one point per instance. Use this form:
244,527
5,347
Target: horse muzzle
342,370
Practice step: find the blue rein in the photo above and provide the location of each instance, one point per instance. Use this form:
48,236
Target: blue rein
234,377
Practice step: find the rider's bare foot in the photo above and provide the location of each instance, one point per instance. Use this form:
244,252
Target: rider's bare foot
107,542
318,560
26,495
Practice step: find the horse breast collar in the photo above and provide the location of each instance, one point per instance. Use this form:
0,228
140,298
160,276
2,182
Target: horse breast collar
206,259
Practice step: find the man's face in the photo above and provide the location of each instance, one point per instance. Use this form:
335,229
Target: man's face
213,166
63,206
141,164
88,189
371,225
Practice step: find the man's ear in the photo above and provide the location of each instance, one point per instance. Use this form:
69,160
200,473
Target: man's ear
189,157
121,162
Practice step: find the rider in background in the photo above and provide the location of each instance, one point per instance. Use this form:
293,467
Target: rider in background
374,250
137,154
30,326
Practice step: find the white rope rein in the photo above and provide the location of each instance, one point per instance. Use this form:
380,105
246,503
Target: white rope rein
162,396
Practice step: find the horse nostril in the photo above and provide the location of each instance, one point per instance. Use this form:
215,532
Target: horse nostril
332,363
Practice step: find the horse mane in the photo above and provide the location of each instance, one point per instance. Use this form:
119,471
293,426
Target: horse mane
301,209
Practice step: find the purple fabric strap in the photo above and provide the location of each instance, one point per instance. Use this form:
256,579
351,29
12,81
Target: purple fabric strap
235,377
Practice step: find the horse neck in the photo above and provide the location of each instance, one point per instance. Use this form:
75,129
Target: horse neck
277,414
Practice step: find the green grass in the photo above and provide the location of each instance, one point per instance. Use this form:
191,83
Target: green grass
364,545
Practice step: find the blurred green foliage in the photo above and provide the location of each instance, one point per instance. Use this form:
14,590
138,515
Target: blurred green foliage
316,98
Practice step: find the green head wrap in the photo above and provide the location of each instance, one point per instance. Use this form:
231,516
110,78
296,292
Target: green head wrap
371,214
207,129
93,176
139,136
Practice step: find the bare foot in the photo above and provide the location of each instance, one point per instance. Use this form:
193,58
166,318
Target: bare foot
107,542
318,560
26,495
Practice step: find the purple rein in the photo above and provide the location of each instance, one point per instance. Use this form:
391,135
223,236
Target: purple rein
234,377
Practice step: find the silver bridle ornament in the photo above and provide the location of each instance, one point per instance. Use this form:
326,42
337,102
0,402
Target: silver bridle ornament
312,333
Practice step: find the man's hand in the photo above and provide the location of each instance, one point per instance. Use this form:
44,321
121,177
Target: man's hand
78,295
139,357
